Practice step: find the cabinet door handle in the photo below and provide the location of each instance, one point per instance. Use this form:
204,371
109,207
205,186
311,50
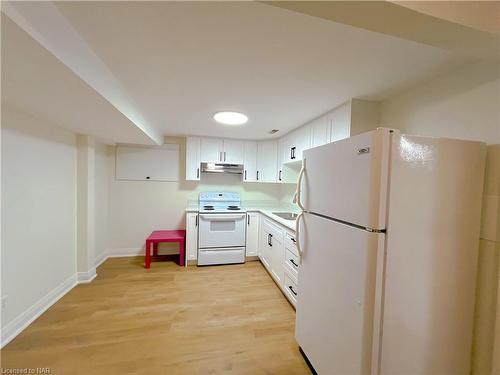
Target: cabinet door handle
220,155
248,219
245,174
293,152
293,239
270,240
224,155
197,172
293,262
291,288
196,221
257,175
279,177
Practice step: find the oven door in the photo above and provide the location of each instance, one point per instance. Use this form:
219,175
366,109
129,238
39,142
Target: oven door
222,230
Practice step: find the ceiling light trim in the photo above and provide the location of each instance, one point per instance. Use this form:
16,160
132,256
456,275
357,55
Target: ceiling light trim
230,118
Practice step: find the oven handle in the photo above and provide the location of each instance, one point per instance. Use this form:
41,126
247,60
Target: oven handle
222,217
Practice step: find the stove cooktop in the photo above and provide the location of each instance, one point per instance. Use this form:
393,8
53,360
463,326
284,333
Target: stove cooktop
219,202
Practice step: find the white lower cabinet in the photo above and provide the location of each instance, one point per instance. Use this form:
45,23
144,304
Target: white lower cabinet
292,259
191,236
290,289
278,253
252,244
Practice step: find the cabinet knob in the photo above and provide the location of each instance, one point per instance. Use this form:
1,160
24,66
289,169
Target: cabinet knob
147,177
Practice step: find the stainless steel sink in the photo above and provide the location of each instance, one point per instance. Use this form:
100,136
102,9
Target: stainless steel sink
286,215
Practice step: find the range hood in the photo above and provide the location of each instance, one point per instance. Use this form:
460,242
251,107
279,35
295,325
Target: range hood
222,168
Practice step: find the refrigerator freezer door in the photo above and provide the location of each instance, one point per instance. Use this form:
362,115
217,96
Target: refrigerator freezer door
338,292
347,179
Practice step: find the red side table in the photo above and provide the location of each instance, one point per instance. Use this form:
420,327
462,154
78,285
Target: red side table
165,236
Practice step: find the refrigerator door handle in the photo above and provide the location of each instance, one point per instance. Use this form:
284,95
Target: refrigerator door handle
297,236
296,198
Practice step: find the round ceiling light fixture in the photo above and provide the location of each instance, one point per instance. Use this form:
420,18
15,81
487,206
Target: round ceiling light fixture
231,118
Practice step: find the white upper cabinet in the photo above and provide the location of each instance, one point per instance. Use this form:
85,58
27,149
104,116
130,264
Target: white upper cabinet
192,158
148,163
281,157
232,152
214,150
267,161
296,142
340,122
286,150
211,150
250,161
320,131
303,140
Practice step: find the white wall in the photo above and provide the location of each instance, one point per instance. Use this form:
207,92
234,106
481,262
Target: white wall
101,200
38,211
462,104
138,207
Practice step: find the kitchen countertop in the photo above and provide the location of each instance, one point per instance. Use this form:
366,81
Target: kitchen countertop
289,224
267,211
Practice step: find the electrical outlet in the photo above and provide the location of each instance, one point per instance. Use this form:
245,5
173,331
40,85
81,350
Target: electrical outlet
4,302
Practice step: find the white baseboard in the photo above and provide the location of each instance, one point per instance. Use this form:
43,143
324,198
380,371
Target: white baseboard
101,259
125,252
15,327
86,277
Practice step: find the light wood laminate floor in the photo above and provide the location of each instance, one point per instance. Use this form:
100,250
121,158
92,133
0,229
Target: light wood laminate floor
167,320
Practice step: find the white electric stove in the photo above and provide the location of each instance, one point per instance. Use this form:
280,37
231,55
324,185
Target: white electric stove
222,229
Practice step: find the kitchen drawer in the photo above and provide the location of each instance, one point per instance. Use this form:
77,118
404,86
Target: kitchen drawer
292,263
290,242
291,290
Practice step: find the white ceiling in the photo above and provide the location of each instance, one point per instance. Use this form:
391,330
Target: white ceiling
180,62
34,81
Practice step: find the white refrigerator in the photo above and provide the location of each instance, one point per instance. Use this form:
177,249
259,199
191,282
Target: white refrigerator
389,237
